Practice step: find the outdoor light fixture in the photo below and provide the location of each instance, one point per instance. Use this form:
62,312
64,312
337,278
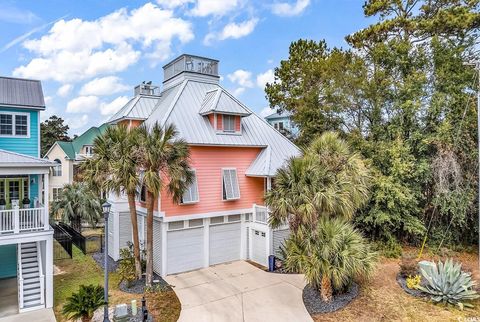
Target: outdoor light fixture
106,211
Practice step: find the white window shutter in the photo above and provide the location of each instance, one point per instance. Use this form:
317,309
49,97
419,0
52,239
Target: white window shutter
191,194
230,183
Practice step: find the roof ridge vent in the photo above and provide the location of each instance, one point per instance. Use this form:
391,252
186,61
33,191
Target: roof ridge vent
146,88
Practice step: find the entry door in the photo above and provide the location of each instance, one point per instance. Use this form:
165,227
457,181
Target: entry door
14,191
259,247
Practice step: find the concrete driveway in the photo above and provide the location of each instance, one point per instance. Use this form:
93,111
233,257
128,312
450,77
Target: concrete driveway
238,291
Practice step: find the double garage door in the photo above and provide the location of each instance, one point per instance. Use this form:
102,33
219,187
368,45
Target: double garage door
185,247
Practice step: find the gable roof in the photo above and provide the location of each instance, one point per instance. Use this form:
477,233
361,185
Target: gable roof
22,93
138,108
86,138
13,159
220,101
183,111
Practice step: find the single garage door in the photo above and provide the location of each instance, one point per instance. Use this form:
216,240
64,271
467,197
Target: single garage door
259,247
225,242
184,250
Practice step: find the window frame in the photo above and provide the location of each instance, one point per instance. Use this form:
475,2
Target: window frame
55,170
233,117
196,188
14,125
89,149
224,192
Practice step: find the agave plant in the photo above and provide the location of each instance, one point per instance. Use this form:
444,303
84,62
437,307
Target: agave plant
448,284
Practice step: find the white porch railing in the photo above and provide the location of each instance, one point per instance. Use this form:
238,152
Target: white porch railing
23,220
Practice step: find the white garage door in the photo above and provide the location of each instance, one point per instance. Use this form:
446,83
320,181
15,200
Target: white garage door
157,247
125,226
224,243
184,250
279,237
259,247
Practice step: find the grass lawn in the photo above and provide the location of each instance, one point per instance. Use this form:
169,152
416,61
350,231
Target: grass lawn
382,299
82,269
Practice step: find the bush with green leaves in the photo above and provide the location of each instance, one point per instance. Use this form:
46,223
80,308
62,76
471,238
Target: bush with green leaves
84,303
448,284
331,256
126,268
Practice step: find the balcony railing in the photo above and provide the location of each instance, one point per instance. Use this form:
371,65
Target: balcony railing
15,221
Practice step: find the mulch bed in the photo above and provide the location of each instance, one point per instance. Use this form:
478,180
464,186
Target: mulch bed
402,281
99,259
138,286
314,304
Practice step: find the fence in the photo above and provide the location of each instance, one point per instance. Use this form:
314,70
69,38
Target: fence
62,246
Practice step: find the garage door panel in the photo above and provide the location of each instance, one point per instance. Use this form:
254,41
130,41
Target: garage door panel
184,250
259,247
224,243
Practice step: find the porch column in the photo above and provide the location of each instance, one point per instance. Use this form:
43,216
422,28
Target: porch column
46,201
49,272
206,242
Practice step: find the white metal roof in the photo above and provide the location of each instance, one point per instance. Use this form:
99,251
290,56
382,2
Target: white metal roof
183,111
12,159
220,101
138,108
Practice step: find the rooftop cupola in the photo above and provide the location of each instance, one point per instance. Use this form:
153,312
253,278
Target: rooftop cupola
191,67
146,88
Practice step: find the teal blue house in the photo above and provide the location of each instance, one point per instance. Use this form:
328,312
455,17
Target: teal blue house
26,238
283,123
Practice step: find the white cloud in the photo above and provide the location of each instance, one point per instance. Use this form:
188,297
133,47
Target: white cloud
238,91
11,14
77,122
232,30
288,9
264,78
64,90
103,86
241,77
76,49
83,104
48,100
205,8
266,112
113,106
171,4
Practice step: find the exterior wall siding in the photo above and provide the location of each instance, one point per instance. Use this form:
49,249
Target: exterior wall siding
208,163
34,189
8,254
125,233
28,146
67,170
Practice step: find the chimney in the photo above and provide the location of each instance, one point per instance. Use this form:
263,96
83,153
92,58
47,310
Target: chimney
191,67
146,88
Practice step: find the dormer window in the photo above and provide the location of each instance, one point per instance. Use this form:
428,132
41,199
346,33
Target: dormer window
228,123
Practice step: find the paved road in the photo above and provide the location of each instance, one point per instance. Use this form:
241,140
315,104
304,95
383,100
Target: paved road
239,291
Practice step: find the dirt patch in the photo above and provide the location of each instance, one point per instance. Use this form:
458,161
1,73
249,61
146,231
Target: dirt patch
382,299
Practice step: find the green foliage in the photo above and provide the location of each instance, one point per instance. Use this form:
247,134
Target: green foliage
84,303
52,130
334,251
390,248
404,99
328,180
77,203
126,268
408,265
413,282
448,284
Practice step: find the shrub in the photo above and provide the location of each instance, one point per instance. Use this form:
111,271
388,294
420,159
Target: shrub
413,282
390,249
84,303
126,268
448,284
408,265
331,256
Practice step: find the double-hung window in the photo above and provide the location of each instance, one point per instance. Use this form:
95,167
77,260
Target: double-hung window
191,194
231,190
57,169
228,123
14,124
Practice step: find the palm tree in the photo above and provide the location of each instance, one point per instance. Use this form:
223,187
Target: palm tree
84,303
164,158
331,255
77,203
328,180
113,167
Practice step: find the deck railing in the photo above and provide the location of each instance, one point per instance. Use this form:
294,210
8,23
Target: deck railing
14,221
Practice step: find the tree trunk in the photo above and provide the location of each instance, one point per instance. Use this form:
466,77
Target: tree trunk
136,242
150,205
326,289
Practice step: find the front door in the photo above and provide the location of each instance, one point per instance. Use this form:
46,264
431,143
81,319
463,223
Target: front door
14,190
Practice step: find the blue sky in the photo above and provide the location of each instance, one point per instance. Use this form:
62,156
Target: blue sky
90,54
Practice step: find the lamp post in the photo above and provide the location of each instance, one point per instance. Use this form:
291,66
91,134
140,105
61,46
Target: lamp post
106,211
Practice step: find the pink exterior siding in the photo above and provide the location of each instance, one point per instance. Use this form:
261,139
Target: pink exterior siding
208,163
219,122
237,123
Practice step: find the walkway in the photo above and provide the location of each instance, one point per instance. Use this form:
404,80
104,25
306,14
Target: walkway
238,291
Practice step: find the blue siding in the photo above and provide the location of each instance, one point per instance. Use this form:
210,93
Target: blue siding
28,146
8,255
33,189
